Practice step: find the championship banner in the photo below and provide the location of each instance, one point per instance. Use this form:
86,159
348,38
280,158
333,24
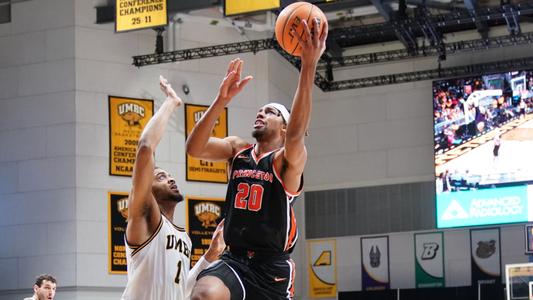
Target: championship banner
429,260
203,215
486,256
118,214
127,118
322,259
202,170
375,263
131,15
236,7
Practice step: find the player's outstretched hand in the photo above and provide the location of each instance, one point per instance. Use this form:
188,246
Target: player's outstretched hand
232,84
167,89
314,43
217,246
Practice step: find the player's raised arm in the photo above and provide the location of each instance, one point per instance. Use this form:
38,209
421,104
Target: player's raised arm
200,144
143,211
295,154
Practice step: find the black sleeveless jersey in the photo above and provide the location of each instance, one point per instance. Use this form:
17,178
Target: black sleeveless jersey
259,212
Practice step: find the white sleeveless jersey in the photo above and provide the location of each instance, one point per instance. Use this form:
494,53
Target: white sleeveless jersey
158,269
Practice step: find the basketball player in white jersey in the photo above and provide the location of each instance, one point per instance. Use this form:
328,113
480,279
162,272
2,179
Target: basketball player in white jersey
158,252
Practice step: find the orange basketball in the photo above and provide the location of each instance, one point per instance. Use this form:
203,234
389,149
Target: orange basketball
291,17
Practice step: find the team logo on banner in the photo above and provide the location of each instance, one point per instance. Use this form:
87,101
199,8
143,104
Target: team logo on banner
485,252
375,263
118,215
202,170
322,267
429,260
127,118
203,215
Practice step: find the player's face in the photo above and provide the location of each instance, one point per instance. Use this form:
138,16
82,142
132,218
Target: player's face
164,186
268,122
47,290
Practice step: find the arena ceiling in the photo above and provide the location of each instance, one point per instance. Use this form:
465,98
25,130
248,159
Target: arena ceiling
420,27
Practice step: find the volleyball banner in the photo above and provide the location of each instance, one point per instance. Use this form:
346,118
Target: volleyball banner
203,170
375,263
322,268
127,118
117,217
202,217
486,256
429,260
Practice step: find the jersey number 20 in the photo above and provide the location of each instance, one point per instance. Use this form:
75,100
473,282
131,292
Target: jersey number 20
249,196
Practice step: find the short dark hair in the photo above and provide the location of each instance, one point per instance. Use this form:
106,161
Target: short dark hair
39,280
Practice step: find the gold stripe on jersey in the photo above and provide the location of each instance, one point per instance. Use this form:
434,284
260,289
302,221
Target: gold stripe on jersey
141,246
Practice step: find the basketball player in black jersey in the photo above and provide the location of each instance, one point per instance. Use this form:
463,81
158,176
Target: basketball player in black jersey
260,228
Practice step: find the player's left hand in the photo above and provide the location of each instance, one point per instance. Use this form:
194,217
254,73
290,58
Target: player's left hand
167,89
313,43
217,246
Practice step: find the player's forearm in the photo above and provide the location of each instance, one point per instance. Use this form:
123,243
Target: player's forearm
193,274
197,140
302,104
155,128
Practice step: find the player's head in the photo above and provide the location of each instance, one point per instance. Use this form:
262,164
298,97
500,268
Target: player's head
164,187
45,287
271,121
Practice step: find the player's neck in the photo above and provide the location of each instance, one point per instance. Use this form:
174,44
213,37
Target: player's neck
262,147
167,209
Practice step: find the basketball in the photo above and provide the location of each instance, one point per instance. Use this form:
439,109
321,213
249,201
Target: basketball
291,17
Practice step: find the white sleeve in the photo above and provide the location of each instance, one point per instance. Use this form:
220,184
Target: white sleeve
193,273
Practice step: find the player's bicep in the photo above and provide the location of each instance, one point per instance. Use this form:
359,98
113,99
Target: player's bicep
218,149
295,156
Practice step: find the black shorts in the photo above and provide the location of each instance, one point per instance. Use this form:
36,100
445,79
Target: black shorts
255,278
495,150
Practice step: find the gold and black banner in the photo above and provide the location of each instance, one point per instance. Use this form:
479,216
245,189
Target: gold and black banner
140,14
237,7
118,214
201,170
203,215
127,118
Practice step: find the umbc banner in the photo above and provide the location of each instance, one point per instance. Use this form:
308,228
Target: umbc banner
118,214
202,170
140,14
203,215
127,118
484,207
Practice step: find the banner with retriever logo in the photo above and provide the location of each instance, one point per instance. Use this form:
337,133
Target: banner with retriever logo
203,170
486,256
127,118
429,260
117,217
322,265
203,215
375,263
